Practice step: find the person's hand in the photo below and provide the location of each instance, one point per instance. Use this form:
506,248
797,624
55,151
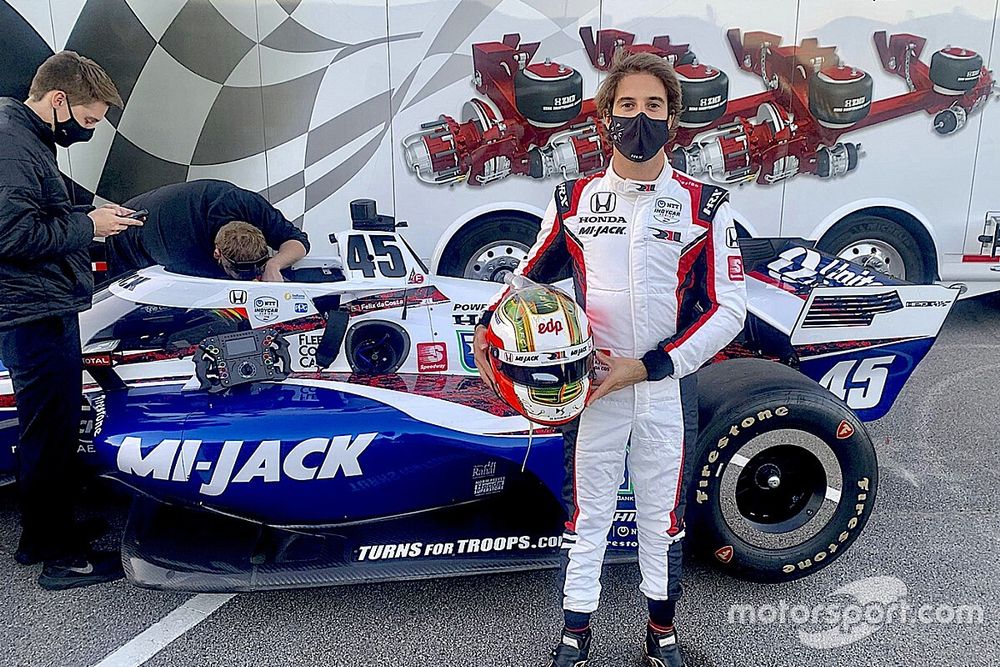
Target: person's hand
481,350
624,373
118,210
272,273
107,222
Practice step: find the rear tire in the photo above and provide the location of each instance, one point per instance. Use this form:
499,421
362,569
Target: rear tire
785,475
879,244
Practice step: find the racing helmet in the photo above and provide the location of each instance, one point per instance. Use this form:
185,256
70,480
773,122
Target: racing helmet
542,353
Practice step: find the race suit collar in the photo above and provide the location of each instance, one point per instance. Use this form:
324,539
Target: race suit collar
632,186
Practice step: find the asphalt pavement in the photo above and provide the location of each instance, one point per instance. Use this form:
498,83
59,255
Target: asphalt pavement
932,546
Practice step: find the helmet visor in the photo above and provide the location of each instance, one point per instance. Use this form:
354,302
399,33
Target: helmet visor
548,377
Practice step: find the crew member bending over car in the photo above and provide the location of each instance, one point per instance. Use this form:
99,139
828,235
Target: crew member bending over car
664,293
182,230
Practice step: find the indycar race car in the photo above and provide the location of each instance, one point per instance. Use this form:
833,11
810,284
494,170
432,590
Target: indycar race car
333,428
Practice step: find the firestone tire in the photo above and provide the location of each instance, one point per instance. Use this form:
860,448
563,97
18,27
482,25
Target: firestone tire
785,475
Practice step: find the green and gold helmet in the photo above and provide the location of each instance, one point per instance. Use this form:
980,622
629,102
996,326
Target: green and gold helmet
542,352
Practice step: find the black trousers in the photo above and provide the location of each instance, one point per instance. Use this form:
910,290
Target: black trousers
45,364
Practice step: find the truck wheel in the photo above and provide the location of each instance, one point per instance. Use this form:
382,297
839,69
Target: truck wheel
489,250
785,474
881,245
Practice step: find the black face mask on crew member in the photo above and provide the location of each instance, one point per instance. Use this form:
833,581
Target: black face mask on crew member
68,132
639,137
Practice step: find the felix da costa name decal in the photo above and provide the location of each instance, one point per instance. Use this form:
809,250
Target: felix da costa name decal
308,460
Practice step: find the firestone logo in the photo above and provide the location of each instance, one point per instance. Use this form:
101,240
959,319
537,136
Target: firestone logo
177,460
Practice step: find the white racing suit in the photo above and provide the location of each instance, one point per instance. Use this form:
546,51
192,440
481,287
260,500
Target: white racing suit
657,268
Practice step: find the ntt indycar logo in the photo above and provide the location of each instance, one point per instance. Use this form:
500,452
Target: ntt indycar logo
308,460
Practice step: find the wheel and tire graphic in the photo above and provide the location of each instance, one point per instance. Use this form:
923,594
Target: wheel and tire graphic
785,475
881,245
489,250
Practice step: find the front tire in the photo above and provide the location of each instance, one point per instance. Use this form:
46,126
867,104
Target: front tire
785,475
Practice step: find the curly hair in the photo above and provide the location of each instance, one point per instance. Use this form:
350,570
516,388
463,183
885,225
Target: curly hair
639,63
241,242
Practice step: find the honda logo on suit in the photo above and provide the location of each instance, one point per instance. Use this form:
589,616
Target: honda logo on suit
603,202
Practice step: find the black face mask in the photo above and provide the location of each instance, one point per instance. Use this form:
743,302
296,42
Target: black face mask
639,138
69,132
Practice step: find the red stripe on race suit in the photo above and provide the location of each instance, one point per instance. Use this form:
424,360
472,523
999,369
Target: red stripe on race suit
576,252
531,260
700,322
675,526
694,191
571,524
557,228
574,202
581,183
683,269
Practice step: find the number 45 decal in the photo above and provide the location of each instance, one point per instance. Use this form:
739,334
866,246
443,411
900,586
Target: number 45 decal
859,382
361,257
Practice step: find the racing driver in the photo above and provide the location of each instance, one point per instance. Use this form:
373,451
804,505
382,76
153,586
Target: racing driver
664,292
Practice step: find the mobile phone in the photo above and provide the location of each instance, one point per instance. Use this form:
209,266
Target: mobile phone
138,215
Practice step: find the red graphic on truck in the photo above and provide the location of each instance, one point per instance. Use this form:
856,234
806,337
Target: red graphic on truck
534,120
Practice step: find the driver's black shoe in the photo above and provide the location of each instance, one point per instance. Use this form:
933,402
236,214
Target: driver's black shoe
662,649
573,649
94,567
87,531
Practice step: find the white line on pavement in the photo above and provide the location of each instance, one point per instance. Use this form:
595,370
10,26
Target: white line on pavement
156,637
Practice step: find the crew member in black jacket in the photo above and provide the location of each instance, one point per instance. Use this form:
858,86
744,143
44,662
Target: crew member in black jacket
181,231
45,281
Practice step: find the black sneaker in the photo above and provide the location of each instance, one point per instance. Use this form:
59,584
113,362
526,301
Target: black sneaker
95,567
662,649
573,650
88,530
